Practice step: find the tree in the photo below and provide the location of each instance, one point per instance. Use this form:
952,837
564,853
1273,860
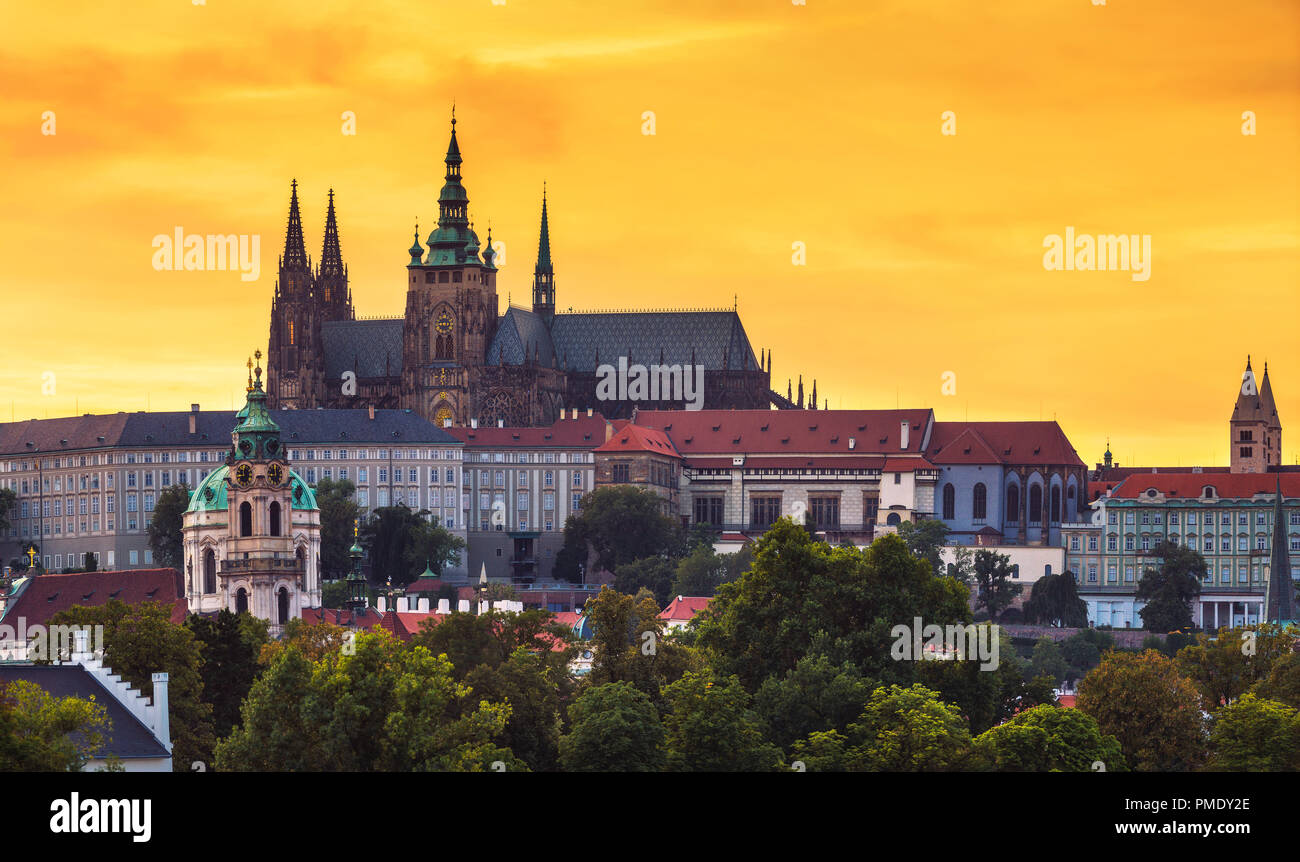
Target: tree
984,695
535,690
1227,665
379,706
613,728
43,733
899,730
962,568
400,543
1083,650
436,547
813,696
474,640
1254,735
699,574
925,539
1283,682
993,577
620,523
1048,660
628,643
141,640
802,597
230,646
165,539
338,518
1049,739
652,573
8,499
1152,709
1169,590
709,727
1054,601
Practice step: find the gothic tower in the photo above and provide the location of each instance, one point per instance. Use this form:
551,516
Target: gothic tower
544,273
451,307
294,360
333,297
1279,601
1255,431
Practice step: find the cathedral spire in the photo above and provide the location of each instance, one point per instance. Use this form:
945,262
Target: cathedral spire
295,252
331,257
544,272
449,243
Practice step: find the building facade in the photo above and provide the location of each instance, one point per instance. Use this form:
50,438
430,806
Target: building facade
520,487
89,484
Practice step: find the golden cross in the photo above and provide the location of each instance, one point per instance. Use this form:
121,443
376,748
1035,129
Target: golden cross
31,556
250,374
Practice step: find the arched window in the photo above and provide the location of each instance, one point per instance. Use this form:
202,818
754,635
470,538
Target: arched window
283,597
949,503
1013,503
209,572
1035,504
894,519
980,501
275,518
241,601
1056,504
245,519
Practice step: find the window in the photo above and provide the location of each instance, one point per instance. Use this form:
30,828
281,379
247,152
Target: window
1110,573
209,571
949,502
275,518
548,478
1054,506
825,512
1035,504
763,511
1074,543
577,479
898,478
619,473
708,510
1092,543
1092,574
979,501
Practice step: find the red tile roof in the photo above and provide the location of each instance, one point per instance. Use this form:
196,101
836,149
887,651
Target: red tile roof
1001,443
45,595
585,432
1191,485
683,608
789,432
635,438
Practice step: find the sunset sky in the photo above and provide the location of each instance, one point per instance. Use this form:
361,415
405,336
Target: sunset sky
775,123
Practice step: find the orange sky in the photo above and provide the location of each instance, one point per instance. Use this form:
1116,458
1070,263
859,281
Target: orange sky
776,123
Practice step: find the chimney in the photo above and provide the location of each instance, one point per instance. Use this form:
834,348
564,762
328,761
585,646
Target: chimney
903,428
423,606
161,723
589,412
473,423
372,411
194,418
463,606
444,606
383,604
852,442
501,423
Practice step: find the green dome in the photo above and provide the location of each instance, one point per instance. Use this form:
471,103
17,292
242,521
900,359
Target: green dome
210,495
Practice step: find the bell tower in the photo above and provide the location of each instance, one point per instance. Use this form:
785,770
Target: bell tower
1255,431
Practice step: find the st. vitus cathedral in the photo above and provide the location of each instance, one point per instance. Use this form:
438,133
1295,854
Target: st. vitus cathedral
453,357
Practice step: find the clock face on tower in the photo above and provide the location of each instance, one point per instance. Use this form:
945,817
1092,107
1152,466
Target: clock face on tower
275,473
444,323
244,475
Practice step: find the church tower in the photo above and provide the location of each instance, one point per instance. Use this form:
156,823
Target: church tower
251,531
1255,431
544,273
294,363
333,297
451,307
1279,601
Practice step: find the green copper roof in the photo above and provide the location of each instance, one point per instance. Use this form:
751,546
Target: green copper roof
210,495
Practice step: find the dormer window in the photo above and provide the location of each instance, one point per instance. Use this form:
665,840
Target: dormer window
1208,492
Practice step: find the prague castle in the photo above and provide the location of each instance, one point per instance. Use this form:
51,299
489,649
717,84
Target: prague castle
452,358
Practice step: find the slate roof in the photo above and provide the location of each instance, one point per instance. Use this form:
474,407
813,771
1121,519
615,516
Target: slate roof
584,432
128,737
43,596
518,332
576,339
371,348
213,427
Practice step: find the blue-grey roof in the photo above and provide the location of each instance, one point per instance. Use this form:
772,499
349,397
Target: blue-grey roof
518,333
371,348
643,336
127,738
212,428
